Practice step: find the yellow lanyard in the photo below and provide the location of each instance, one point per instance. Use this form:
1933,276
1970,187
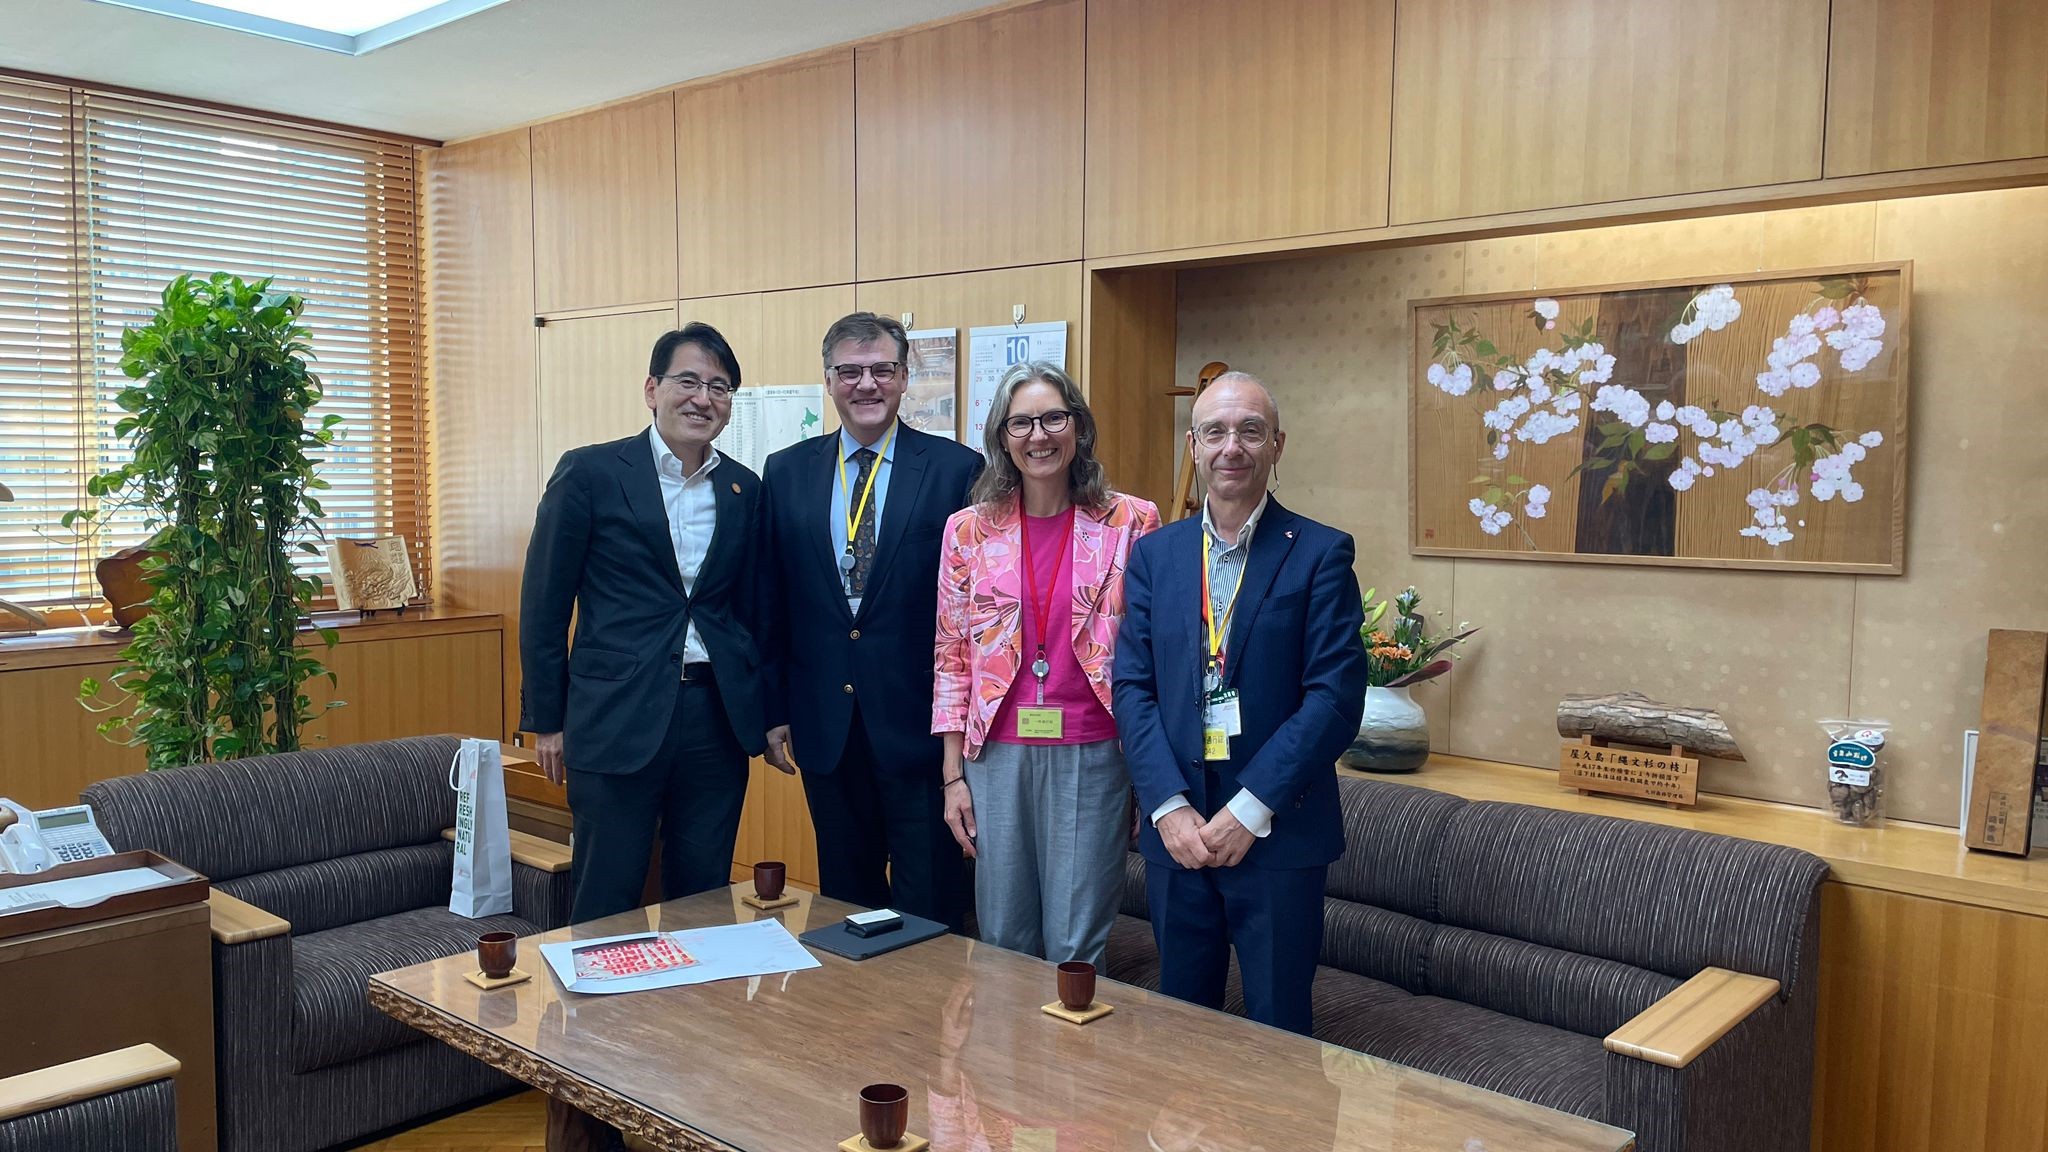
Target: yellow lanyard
853,525
1218,629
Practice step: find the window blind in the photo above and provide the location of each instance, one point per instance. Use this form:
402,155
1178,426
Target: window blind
143,192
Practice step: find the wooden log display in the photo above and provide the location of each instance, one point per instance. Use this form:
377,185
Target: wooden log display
1633,718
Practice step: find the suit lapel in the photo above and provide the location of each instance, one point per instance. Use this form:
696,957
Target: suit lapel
1271,542
906,480
726,530
642,488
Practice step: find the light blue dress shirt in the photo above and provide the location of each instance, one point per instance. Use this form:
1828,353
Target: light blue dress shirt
842,506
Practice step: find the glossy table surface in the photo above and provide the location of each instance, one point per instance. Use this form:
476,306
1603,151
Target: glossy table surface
775,1063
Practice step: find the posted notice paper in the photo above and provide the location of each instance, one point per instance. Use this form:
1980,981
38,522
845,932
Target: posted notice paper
725,952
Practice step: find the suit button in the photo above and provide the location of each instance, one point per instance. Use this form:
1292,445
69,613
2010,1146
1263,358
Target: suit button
675,658
847,688
853,635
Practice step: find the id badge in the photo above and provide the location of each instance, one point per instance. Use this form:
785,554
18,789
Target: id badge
1037,723
1219,723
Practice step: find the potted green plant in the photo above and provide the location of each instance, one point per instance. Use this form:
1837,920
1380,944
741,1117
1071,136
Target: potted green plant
223,472
1393,735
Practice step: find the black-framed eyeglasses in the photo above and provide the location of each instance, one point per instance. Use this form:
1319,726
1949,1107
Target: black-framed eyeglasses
688,382
1054,423
850,374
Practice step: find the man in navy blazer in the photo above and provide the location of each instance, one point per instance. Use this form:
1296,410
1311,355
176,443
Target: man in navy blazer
854,519
651,716
1233,718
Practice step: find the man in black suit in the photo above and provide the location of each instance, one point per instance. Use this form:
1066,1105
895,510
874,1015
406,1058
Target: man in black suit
854,524
651,716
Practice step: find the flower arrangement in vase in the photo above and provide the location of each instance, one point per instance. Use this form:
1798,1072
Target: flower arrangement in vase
1393,735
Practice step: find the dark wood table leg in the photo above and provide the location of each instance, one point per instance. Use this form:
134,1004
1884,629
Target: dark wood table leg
571,1130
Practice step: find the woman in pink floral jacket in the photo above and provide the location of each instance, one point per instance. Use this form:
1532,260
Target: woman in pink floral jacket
1031,590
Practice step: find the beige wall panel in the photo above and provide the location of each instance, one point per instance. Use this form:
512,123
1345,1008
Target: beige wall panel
793,324
1501,105
1933,1029
593,371
1330,336
765,180
975,299
738,319
481,377
1213,121
1977,537
1916,84
970,144
52,750
604,207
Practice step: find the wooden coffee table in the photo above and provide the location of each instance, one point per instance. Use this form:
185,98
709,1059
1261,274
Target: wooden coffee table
774,1064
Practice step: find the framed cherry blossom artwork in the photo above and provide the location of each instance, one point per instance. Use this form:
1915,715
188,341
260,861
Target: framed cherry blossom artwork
1744,422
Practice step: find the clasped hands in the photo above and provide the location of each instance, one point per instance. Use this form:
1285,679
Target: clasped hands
1220,842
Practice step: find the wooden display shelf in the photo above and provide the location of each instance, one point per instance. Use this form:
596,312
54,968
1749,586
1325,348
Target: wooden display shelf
1899,856
63,647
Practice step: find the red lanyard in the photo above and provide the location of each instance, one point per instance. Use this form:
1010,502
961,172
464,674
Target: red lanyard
1041,609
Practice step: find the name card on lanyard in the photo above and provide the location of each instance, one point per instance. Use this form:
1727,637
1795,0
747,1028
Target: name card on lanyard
1220,720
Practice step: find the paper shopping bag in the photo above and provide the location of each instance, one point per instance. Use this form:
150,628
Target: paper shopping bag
483,838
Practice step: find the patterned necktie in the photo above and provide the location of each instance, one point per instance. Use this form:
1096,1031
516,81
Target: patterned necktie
864,532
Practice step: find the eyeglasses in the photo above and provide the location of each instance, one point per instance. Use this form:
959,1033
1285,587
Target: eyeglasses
1251,434
1054,423
687,383
850,374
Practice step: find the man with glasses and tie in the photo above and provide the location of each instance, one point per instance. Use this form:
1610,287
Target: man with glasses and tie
651,715
854,519
1239,680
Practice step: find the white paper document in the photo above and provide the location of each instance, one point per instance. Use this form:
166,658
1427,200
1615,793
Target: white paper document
741,439
80,891
725,952
991,352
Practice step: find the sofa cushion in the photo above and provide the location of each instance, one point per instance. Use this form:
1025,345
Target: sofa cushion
1133,959
1393,840
1668,899
332,1019
1386,946
350,889
1585,994
238,817
1529,1061
1131,955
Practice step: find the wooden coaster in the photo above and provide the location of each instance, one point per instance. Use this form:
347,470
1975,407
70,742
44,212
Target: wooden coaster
1095,1011
911,1142
484,982
753,901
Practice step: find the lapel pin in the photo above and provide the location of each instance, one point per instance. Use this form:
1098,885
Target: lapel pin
736,491
1289,533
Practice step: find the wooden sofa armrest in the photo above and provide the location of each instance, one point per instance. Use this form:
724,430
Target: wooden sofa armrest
532,851
238,921
1675,1030
62,1084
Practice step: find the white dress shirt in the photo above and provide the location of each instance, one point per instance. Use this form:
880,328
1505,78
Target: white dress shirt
692,508
1226,572
843,506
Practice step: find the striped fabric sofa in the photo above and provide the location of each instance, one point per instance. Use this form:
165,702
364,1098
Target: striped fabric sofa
1503,945
345,845
126,1100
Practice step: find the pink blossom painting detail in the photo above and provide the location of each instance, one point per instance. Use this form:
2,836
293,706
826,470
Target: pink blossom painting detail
1741,422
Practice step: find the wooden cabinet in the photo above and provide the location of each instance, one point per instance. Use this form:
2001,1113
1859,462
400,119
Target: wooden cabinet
970,144
1216,121
765,179
1502,105
604,207
593,376
1917,84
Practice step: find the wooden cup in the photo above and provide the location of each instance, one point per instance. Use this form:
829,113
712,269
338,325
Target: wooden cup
1077,985
496,953
884,1114
769,876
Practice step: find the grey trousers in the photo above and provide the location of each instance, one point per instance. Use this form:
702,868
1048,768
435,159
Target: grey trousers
1052,824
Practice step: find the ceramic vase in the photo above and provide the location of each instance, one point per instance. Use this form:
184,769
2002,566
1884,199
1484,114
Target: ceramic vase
1393,736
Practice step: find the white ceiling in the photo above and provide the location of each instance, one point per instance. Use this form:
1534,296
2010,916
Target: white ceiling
522,60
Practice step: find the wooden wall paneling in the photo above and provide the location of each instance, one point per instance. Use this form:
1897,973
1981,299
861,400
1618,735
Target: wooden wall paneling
604,207
765,179
592,373
793,326
484,423
1130,368
423,686
738,319
1914,84
975,299
52,750
1933,1028
1213,121
971,142
1501,106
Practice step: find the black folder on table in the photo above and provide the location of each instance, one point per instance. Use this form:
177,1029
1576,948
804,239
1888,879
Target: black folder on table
834,937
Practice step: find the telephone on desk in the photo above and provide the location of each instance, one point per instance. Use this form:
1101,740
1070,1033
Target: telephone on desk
38,841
